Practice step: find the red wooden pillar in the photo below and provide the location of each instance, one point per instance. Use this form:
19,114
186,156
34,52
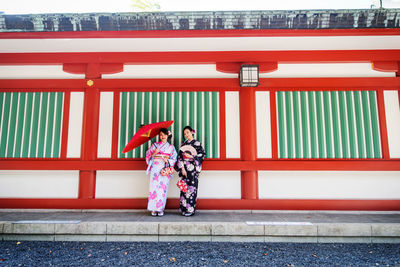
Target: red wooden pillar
248,140
91,109
87,178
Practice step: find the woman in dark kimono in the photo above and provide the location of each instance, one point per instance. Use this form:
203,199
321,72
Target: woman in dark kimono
190,157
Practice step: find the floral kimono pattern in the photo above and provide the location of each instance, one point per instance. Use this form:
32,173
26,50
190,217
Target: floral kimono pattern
193,168
158,188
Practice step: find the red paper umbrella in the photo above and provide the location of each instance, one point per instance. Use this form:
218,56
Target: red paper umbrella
146,133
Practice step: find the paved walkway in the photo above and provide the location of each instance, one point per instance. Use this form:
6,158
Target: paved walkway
237,226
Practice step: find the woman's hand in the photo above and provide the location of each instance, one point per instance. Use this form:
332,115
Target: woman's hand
183,172
188,155
156,152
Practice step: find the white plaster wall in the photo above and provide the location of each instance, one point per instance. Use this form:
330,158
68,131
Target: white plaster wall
39,184
392,109
36,72
232,124
326,70
122,184
329,185
105,125
75,125
271,43
169,71
175,71
220,184
263,116
135,184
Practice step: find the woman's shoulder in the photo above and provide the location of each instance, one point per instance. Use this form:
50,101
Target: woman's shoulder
170,145
196,142
184,143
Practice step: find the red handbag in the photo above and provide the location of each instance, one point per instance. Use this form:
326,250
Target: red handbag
182,185
167,170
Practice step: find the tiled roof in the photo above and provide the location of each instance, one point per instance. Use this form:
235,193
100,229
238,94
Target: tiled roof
219,20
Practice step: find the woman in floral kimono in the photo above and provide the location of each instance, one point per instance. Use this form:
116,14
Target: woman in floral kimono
190,157
158,156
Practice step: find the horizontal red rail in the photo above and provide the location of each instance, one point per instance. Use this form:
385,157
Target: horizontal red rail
218,165
219,204
221,84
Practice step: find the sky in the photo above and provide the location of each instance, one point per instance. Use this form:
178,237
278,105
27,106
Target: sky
85,6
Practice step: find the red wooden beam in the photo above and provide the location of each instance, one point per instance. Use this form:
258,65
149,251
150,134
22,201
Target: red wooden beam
387,66
204,204
210,164
213,84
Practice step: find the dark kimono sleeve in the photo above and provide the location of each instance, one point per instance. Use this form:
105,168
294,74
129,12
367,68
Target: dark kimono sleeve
201,154
179,162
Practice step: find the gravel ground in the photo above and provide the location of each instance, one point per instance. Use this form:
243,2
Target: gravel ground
196,254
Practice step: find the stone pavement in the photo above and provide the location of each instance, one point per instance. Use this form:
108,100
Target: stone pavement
215,226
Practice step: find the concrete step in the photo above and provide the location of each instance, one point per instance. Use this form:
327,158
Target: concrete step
207,226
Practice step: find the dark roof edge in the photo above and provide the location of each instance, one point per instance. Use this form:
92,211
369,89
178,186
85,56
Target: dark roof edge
203,20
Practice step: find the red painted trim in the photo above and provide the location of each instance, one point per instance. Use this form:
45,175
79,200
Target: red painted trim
82,68
398,93
209,165
222,125
199,33
330,84
65,128
201,57
382,125
118,85
222,84
298,204
388,66
115,132
205,204
274,125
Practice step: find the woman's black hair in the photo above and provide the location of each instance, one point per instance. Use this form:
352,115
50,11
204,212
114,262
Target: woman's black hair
187,128
165,131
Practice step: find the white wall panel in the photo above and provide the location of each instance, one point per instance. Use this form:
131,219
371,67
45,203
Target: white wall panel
169,71
122,184
135,184
392,109
75,125
220,184
232,125
326,70
329,185
105,124
271,43
39,184
36,72
263,125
